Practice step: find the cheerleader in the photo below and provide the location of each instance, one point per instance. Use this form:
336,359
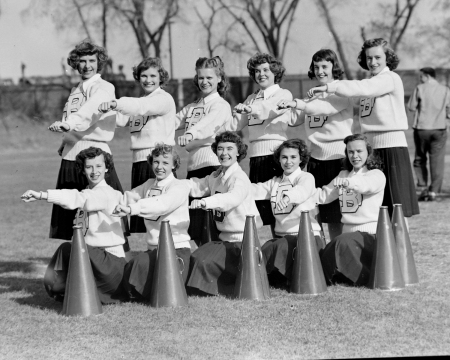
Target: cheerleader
151,119
328,119
360,189
382,118
82,129
202,120
267,124
214,265
161,198
102,232
289,194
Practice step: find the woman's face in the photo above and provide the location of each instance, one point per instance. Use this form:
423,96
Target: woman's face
323,70
208,80
149,80
375,59
357,154
227,153
289,160
88,65
264,76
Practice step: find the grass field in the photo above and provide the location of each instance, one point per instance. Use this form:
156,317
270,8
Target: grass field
344,322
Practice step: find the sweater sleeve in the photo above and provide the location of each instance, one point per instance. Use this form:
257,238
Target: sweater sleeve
210,124
262,191
303,190
268,109
180,118
237,123
326,107
236,194
89,200
297,117
157,104
376,86
327,193
122,120
199,187
163,204
134,195
371,182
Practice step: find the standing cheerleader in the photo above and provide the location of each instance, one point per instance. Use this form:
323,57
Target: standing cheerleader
360,189
162,198
267,124
214,265
289,194
202,120
328,120
82,129
151,119
102,232
382,118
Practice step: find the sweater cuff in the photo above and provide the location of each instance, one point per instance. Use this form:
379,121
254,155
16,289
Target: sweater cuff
332,87
135,208
53,196
211,203
300,104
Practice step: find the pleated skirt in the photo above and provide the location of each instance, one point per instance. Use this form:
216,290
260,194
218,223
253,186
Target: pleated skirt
263,168
348,258
107,269
61,224
324,171
214,267
140,172
138,273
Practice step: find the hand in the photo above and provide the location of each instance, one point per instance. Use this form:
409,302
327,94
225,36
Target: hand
243,109
197,204
121,210
340,182
31,195
61,149
316,90
185,139
283,202
106,106
285,104
59,126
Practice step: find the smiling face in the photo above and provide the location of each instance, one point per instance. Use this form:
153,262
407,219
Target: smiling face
323,70
208,81
95,170
375,59
87,67
357,154
227,153
289,160
264,76
162,166
149,80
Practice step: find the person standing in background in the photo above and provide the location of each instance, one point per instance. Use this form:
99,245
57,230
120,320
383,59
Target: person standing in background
431,103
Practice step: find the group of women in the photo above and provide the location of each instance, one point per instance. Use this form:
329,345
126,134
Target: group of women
350,168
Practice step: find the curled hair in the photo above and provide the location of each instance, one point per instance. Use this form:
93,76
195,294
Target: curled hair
429,71
164,149
326,55
233,137
217,64
275,65
294,144
372,162
153,62
91,153
392,59
87,47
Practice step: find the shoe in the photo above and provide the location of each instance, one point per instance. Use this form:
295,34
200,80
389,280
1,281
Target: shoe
431,196
423,196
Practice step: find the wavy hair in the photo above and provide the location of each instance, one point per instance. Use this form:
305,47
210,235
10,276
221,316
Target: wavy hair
91,153
326,55
392,59
164,149
275,65
297,144
217,64
372,162
146,64
87,47
233,137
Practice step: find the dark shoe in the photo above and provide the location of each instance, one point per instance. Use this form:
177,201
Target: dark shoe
423,196
431,196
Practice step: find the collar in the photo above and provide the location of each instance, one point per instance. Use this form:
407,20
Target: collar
88,82
230,170
270,91
100,184
164,182
158,89
362,171
211,97
386,69
293,176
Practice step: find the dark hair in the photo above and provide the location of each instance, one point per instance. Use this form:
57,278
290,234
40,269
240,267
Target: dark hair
372,162
429,71
87,47
392,59
164,149
326,55
275,66
233,137
146,64
293,144
217,64
91,153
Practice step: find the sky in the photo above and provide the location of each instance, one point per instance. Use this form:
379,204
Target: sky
36,42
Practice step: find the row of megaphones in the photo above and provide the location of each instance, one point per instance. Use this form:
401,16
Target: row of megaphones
393,265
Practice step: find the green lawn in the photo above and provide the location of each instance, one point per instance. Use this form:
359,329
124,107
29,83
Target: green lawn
344,322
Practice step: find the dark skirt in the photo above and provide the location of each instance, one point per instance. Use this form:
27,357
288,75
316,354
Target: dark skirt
138,274
324,171
196,215
279,256
107,269
348,258
61,224
214,267
140,172
400,188
264,168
